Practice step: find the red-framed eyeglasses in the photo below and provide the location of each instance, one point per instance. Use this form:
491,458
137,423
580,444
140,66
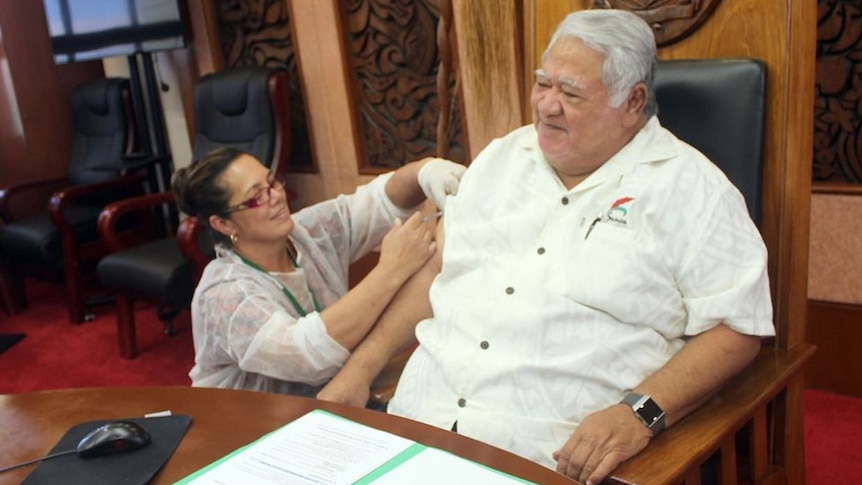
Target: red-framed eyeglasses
260,197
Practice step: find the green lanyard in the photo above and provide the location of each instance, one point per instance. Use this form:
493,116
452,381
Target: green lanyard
284,289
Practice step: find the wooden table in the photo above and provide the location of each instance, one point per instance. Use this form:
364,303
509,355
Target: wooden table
222,421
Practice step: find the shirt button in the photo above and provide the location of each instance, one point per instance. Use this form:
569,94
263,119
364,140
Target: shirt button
565,200
510,290
484,345
462,402
541,250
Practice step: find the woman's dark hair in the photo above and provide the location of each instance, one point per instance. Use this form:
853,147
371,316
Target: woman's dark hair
200,190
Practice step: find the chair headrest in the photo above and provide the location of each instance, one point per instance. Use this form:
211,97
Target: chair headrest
232,108
230,94
99,129
719,107
97,106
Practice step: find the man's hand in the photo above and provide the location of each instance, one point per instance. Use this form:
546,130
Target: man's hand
603,440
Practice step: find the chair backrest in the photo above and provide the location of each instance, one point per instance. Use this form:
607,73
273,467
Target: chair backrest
245,108
719,107
102,130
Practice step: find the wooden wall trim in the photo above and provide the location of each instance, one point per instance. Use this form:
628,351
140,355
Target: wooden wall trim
835,329
35,119
490,69
836,188
205,42
202,56
794,216
320,50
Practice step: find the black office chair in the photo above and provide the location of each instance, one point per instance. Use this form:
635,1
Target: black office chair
60,243
245,108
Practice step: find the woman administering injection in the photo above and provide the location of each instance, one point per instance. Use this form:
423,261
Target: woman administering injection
272,311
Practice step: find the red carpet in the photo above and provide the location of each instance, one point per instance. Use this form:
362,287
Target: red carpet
57,354
833,439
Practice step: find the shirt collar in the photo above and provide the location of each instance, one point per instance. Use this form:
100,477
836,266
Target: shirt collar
651,144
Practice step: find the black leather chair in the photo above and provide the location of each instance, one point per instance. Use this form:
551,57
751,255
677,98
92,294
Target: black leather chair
719,107
246,108
60,242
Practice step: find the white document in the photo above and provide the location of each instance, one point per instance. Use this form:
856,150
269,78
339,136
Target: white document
321,448
433,467
317,449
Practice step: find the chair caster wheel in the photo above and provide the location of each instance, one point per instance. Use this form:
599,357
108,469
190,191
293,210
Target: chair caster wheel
89,317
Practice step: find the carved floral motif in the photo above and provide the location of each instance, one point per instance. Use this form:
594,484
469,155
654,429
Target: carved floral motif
671,20
837,107
393,61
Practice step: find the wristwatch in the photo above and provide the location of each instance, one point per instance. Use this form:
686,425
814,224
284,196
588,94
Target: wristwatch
647,410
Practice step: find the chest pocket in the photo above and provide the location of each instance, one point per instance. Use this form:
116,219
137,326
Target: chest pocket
617,270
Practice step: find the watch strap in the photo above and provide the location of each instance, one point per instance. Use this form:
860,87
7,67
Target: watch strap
647,410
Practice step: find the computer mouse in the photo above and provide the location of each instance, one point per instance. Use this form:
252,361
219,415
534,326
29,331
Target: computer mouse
112,438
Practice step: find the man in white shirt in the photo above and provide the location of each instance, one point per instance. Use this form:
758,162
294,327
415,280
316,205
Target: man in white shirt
600,278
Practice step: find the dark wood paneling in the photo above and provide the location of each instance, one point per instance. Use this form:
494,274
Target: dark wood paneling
838,118
836,330
35,131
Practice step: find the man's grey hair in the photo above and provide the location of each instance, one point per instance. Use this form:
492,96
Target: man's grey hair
627,44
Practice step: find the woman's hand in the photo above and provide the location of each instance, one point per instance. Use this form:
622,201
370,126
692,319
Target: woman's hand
406,247
345,388
439,178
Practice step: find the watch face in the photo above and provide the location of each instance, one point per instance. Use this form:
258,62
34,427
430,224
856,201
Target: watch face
650,412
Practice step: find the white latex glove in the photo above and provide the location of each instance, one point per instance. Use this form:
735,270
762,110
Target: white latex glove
439,178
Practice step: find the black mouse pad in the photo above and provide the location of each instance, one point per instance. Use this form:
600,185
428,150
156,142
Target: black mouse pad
132,468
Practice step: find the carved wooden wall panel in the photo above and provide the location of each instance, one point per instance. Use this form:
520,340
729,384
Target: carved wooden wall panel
258,32
671,20
837,106
393,62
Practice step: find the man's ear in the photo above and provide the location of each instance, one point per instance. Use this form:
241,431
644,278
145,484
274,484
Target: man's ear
222,225
636,102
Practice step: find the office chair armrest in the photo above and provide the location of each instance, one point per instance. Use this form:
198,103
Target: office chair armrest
188,240
115,211
63,198
742,406
32,194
